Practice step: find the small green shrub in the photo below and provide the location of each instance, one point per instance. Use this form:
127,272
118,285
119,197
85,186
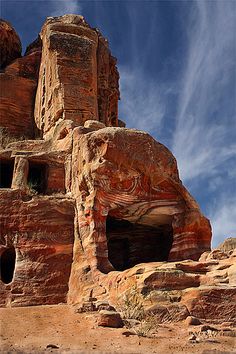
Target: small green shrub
32,187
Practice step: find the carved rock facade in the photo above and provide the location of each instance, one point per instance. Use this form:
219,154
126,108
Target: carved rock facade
85,202
78,76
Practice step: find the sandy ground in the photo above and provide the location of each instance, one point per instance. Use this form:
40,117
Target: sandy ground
32,329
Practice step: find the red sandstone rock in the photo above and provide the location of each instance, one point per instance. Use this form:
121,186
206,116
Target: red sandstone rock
126,175
10,44
192,321
110,319
35,46
216,304
217,254
16,105
18,86
169,313
79,80
170,279
40,231
108,88
214,292
229,244
91,211
232,273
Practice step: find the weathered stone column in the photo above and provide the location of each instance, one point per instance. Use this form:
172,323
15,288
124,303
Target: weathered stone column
20,174
68,74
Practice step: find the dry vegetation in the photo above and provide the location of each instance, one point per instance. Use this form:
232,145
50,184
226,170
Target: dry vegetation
6,139
131,306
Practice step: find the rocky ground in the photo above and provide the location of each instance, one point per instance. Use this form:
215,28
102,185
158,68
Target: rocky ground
198,319
58,329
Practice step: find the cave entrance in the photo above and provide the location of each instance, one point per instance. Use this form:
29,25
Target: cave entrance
6,173
7,262
37,177
130,244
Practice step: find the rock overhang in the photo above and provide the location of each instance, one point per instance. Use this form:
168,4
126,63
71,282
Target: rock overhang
126,175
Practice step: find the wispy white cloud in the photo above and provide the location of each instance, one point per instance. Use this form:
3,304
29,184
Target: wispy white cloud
223,219
62,7
143,100
215,183
143,103
202,141
202,148
204,133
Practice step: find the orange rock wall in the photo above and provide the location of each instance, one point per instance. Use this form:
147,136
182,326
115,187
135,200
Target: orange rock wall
16,108
78,79
108,84
128,175
18,84
41,231
10,44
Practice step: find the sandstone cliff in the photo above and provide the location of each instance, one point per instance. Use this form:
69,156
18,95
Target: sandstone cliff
88,207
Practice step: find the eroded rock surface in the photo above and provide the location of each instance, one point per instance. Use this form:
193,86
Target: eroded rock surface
90,209
129,197
10,44
18,84
78,75
175,290
35,261
228,245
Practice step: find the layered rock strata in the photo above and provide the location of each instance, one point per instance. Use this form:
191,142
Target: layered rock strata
172,291
88,208
18,84
78,75
124,174
35,262
10,44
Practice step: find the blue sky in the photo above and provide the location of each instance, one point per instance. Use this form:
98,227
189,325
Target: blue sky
178,82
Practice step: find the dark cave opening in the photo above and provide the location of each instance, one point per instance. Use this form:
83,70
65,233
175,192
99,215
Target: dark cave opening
37,177
130,244
8,261
6,173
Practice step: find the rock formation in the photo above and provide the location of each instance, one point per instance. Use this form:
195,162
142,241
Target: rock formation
10,44
78,76
229,244
88,208
18,82
205,289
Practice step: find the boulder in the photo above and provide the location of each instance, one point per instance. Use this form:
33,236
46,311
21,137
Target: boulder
110,319
168,313
192,321
94,125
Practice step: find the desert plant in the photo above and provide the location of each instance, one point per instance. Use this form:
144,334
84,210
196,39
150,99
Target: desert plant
6,139
32,187
147,326
131,304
